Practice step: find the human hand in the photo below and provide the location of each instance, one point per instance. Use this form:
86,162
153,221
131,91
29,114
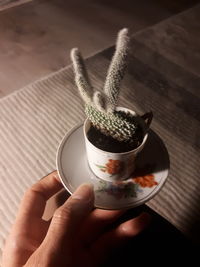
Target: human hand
77,234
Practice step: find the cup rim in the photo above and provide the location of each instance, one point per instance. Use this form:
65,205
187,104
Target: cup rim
111,153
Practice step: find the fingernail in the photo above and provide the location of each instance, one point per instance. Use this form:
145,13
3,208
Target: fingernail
84,192
136,225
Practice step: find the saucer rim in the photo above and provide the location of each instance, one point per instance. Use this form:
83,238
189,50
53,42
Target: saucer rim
67,185
59,153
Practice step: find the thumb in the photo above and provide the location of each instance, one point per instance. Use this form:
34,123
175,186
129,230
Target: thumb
70,215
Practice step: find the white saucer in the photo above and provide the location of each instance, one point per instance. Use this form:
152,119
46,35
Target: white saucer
152,167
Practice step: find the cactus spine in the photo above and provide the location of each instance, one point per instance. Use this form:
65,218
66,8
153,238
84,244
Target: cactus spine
100,107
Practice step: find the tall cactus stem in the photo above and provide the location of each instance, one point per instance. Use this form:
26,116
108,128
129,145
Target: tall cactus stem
81,77
117,69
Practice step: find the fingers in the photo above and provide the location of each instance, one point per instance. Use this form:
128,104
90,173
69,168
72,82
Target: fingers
134,226
34,200
67,219
97,223
121,234
29,229
29,221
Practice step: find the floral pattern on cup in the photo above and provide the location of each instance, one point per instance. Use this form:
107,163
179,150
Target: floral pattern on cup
128,188
112,167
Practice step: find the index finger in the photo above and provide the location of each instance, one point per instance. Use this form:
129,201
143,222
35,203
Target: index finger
34,200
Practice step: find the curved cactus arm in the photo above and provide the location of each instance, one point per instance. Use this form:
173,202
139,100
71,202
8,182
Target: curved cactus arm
81,77
99,101
116,69
111,124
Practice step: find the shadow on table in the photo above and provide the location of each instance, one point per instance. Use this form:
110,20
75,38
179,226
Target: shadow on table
160,244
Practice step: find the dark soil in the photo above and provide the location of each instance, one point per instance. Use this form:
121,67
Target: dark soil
109,144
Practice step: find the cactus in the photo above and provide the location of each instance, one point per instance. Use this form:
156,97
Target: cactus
100,106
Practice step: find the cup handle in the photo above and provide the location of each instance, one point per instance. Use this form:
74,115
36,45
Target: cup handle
147,117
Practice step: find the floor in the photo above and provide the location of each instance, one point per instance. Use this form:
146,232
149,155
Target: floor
37,36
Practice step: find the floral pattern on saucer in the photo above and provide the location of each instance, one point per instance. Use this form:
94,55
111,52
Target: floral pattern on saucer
146,180
128,188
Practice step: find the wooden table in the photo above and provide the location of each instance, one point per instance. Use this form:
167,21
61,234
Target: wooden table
36,37
164,76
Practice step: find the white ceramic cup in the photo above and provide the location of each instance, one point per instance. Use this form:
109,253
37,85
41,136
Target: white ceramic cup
115,166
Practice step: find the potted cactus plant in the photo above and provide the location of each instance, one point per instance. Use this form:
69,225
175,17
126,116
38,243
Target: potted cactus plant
113,135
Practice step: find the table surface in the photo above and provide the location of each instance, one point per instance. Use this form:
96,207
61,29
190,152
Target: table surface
162,76
165,75
44,31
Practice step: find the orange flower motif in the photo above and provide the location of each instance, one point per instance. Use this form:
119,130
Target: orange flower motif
114,166
146,180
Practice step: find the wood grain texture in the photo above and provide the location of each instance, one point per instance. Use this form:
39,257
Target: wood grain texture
163,76
34,119
4,4
36,38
